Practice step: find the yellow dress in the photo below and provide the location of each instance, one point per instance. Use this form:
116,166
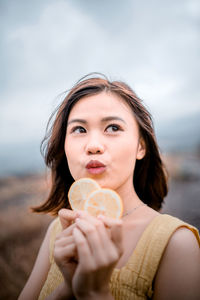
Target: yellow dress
134,280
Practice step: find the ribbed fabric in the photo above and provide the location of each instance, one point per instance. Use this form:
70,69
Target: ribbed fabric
134,280
54,277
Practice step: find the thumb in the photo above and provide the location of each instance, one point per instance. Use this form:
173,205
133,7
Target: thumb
67,216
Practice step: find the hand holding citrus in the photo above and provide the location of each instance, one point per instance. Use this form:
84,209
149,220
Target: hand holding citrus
86,194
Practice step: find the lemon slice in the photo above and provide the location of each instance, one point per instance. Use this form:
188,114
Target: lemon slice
79,192
105,202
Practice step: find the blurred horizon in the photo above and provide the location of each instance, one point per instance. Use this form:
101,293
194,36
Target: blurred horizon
46,46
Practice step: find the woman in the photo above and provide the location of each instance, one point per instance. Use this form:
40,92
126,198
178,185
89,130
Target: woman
103,131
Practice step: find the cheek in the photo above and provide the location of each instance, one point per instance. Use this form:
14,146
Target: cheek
127,153
71,163
70,147
128,148
70,153
67,150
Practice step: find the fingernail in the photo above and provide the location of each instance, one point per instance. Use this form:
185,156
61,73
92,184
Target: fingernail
79,213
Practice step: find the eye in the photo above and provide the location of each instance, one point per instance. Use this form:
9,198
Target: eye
78,129
113,128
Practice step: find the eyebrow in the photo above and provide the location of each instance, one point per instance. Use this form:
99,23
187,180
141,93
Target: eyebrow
106,119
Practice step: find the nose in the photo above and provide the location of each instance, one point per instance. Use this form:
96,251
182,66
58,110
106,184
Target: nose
94,146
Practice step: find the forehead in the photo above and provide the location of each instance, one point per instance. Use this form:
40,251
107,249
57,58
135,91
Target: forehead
102,103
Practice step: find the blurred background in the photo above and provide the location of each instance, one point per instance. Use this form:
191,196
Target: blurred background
45,47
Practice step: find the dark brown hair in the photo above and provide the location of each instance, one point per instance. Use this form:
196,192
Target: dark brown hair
150,180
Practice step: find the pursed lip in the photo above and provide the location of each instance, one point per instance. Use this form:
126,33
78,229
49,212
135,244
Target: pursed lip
95,164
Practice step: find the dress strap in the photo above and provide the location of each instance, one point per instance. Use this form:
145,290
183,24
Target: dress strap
152,245
56,228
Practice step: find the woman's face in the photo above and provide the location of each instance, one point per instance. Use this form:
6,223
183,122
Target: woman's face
102,141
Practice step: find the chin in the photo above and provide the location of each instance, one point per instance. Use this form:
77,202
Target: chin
107,184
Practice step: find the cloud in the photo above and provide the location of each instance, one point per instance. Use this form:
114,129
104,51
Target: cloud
48,45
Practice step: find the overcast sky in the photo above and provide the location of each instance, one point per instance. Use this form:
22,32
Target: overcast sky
47,45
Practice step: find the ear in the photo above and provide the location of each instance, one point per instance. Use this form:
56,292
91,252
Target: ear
141,149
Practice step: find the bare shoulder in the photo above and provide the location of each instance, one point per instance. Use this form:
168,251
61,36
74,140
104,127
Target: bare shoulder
40,269
183,245
179,270
182,242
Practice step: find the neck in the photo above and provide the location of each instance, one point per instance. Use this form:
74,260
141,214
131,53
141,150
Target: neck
129,197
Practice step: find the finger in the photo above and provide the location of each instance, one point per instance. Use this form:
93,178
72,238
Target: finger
64,241
89,218
83,249
109,222
66,216
61,253
66,232
90,231
92,220
101,246
83,214
116,230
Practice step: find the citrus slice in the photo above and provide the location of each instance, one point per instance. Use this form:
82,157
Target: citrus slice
105,202
80,190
